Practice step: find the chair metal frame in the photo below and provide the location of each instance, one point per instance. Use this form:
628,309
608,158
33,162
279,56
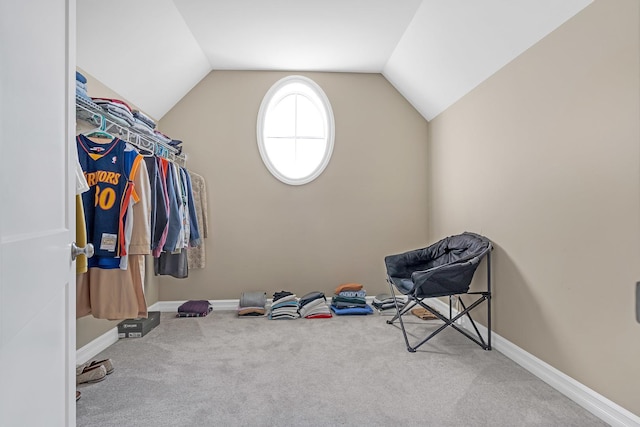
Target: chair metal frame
484,295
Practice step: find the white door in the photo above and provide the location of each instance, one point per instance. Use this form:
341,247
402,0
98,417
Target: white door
37,284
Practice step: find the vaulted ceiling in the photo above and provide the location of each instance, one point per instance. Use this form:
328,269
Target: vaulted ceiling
153,52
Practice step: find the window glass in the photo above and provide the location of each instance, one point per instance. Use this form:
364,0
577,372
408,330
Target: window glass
295,130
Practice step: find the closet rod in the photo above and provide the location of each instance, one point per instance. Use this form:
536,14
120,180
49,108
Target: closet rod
92,113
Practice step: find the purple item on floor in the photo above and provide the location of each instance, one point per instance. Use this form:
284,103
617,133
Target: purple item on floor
196,307
194,314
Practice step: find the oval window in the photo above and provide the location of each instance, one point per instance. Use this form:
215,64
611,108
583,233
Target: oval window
295,130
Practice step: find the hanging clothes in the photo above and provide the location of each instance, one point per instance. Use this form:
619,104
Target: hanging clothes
134,206
194,228
186,226
175,263
115,293
196,255
81,226
173,260
159,204
109,169
172,264
138,218
162,170
175,222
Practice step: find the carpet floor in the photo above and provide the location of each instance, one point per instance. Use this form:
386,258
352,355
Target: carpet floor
222,370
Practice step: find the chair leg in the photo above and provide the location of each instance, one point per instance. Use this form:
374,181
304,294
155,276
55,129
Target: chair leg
488,296
479,340
451,322
398,316
401,312
468,314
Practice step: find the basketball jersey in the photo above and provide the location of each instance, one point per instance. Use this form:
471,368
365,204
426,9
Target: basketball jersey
109,169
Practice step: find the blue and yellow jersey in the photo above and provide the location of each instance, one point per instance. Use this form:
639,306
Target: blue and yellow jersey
109,169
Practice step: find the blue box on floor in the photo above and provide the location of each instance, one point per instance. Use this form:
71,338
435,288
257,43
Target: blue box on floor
136,328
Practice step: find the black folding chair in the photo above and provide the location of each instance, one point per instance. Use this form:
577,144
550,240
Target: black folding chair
444,268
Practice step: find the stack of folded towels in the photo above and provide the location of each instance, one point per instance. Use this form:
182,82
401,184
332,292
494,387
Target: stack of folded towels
385,303
350,298
284,305
194,308
252,304
314,306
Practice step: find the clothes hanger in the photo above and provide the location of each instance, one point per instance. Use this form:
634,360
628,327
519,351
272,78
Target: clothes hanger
162,152
141,146
100,135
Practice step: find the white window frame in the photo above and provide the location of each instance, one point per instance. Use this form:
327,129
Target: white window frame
273,94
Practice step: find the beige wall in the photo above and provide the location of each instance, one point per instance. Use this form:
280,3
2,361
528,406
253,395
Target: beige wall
544,159
369,202
265,235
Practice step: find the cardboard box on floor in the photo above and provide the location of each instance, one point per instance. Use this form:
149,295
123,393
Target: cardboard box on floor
136,328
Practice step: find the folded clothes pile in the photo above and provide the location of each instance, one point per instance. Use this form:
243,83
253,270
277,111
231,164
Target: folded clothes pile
284,305
194,308
141,125
117,109
162,137
175,143
121,113
81,87
350,298
144,119
387,303
314,306
252,304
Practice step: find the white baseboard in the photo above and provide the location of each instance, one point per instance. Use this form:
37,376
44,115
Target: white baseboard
603,408
84,354
217,305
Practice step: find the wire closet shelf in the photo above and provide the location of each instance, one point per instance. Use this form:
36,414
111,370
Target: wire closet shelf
94,114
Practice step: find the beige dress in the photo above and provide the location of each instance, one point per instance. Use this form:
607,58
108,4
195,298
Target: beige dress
196,255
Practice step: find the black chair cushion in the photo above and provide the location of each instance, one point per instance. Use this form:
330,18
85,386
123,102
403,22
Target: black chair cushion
443,268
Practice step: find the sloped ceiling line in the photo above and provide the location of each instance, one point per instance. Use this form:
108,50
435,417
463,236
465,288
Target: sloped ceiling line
432,51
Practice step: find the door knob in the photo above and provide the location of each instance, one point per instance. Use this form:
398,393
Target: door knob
87,250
